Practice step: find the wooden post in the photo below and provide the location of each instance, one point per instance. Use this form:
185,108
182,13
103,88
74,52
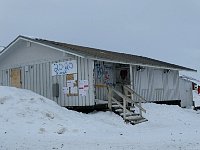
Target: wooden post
131,81
109,97
124,108
140,106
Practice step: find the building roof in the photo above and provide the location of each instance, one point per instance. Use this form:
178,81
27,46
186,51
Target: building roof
104,55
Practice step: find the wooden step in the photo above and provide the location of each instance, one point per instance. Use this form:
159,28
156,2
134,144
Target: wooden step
126,114
133,117
119,110
138,121
116,106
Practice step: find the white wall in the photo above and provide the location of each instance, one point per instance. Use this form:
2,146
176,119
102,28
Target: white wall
186,94
156,85
38,78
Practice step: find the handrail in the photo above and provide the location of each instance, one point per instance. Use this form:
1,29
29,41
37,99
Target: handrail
128,99
125,100
133,92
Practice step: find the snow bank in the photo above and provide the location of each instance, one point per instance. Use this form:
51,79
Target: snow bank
30,121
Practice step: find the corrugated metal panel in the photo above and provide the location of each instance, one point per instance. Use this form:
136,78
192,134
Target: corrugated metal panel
90,64
5,77
38,78
186,95
155,85
1,78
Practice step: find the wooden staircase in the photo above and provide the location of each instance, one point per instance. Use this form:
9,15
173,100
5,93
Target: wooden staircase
125,106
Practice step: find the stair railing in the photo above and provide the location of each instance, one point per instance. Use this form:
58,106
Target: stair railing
126,100
127,89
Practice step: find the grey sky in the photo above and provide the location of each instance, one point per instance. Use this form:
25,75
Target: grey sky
168,30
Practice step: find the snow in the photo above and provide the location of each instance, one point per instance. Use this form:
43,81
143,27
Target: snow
30,121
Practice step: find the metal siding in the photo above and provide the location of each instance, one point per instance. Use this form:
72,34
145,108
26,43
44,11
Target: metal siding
91,81
58,81
87,102
30,78
61,94
39,79
49,80
81,72
34,78
186,95
153,84
54,80
22,77
47,71
1,78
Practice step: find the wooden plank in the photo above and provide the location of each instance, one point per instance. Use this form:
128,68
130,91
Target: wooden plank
124,108
131,79
16,77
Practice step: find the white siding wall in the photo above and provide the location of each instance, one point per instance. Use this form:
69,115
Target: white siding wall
36,73
38,78
186,94
155,85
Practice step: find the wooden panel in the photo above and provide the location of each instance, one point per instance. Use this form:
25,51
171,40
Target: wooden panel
16,77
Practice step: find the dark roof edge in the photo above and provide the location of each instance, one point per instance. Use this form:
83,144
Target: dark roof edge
175,67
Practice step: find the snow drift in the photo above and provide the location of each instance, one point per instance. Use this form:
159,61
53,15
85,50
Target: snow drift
30,121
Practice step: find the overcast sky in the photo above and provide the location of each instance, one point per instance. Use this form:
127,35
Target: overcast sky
167,30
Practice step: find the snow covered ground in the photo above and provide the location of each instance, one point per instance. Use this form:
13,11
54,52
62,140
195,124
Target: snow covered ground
30,121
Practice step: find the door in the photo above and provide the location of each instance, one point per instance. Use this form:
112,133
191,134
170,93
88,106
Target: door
16,77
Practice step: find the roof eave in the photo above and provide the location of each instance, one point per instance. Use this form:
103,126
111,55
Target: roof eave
144,65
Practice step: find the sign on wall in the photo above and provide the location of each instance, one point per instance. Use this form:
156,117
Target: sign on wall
63,68
83,87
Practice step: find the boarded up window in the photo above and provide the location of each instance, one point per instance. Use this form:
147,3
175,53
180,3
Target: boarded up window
16,77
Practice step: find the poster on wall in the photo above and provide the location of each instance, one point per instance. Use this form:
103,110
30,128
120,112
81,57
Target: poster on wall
63,68
71,88
83,87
